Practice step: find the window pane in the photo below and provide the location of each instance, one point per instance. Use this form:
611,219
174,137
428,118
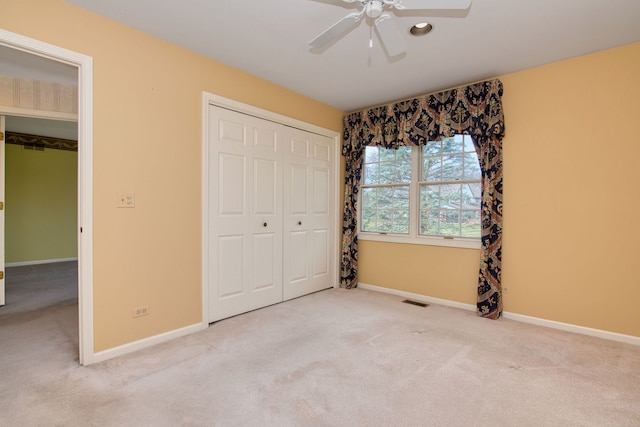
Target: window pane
387,154
452,167
401,198
385,204
403,153
470,224
385,220
371,155
450,223
369,220
401,221
433,148
429,222
450,209
450,196
385,198
387,173
471,167
371,174
452,145
369,198
403,171
431,169
471,196
429,197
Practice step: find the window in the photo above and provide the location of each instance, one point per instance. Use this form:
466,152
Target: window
428,195
385,193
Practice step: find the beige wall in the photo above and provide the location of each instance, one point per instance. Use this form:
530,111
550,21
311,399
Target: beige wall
571,201
41,204
147,140
571,191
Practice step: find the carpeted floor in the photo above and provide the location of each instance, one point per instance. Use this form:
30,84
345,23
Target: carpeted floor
334,358
32,287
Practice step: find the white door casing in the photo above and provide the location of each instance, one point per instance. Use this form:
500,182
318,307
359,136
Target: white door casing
2,175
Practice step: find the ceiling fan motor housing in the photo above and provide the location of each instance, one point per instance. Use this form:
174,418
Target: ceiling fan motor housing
373,8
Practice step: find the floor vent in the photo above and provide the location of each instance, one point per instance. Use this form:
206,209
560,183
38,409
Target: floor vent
419,304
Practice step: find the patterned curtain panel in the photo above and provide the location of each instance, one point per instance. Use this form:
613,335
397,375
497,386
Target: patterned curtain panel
475,110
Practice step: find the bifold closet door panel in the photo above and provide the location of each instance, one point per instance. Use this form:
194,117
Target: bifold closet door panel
308,204
245,213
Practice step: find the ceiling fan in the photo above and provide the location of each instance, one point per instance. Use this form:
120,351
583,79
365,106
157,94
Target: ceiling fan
387,30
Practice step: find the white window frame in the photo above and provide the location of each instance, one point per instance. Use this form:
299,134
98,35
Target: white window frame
413,237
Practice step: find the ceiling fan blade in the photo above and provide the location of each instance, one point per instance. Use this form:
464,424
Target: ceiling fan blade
390,36
336,30
432,4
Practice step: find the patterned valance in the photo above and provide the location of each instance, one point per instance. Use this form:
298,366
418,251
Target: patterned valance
475,110
38,142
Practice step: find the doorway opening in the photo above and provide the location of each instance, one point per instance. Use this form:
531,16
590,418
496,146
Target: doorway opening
37,50
40,240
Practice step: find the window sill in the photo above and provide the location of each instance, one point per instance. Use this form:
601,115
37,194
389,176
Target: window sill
456,242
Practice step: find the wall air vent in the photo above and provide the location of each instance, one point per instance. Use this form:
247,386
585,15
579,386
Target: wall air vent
419,304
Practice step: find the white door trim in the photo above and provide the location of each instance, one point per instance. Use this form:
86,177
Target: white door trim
219,101
85,176
2,199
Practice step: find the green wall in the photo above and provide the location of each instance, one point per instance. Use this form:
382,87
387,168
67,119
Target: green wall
41,204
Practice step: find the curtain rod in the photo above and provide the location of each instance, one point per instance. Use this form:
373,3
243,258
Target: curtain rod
419,96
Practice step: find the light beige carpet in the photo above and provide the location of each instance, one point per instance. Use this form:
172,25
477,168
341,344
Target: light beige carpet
335,358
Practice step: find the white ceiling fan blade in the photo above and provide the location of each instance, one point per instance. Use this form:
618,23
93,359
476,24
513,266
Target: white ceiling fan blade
390,36
432,4
336,30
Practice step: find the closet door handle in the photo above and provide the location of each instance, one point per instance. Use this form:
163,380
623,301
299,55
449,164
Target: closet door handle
299,222
264,224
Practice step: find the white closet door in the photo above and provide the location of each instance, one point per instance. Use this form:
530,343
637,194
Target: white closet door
245,213
308,232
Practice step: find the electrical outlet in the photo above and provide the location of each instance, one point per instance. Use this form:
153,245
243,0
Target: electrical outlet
140,311
126,200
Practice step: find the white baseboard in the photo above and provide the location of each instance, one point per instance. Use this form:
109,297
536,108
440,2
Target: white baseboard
39,261
146,342
418,297
568,327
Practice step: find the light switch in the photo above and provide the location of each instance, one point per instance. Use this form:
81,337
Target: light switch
126,200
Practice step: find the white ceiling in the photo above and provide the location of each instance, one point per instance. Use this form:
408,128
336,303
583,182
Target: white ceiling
15,63
269,39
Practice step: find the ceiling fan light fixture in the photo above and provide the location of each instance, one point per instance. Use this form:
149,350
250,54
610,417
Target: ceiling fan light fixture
421,28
